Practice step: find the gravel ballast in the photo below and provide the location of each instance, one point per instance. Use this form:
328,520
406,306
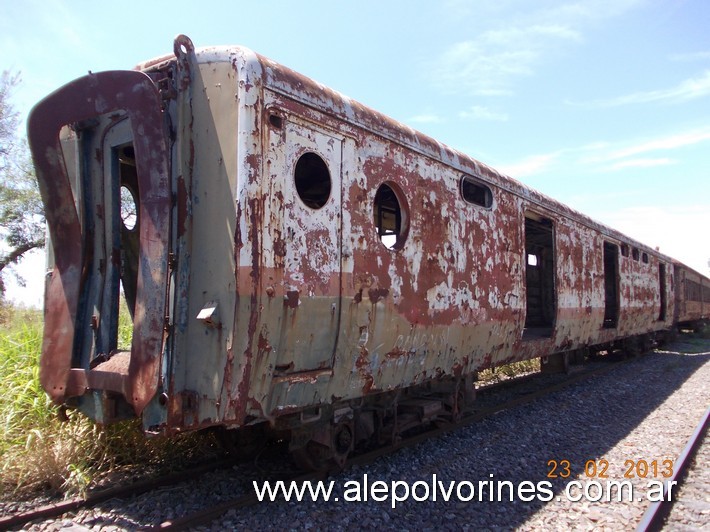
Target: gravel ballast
644,410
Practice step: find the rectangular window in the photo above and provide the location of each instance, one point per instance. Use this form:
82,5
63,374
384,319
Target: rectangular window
693,291
541,306
475,192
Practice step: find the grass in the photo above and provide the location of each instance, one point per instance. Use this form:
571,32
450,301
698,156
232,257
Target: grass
506,371
43,448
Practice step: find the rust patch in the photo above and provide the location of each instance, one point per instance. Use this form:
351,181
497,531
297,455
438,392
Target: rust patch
263,344
255,406
362,363
238,243
279,245
291,299
182,206
398,352
377,294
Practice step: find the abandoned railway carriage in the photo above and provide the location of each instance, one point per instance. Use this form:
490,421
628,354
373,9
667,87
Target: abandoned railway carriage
298,261
692,294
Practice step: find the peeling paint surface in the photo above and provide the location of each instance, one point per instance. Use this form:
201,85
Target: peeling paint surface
285,195
98,94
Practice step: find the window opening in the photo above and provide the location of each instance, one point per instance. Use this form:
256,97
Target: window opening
635,253
276,121
541,306
662,290
624,250
475,192
390,218
611,285
693,290
129,212
313,183
644,258
128,225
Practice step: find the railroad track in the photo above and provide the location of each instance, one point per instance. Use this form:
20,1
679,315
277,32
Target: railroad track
207,515
657,512
97,497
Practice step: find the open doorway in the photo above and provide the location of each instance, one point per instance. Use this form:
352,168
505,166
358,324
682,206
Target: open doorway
541,306
662,290
611,285
124,165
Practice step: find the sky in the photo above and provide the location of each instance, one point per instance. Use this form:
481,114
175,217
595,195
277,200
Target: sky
603,105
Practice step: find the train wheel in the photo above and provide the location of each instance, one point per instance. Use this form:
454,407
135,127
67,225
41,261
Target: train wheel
342,442
632,346
328,453
313,457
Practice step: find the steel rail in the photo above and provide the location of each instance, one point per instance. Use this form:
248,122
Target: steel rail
99,496
657,511
208,515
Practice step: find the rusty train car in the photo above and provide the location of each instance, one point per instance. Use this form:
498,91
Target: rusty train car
692,297
294,261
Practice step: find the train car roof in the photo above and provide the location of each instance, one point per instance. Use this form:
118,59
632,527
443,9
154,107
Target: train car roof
680,264
324,99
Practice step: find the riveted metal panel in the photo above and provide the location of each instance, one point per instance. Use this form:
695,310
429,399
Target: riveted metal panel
280,305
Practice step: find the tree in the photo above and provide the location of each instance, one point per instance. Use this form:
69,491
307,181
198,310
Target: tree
22,223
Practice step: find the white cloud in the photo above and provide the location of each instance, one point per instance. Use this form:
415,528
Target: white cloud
688,89
661,144
690,57
642,163
479,112
604,152
589,10
488,64
520,36
532,165
426,118
607,156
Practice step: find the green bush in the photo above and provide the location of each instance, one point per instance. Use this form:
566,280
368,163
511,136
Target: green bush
41,449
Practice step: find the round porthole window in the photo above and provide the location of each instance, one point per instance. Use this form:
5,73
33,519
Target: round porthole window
391,220
313,181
